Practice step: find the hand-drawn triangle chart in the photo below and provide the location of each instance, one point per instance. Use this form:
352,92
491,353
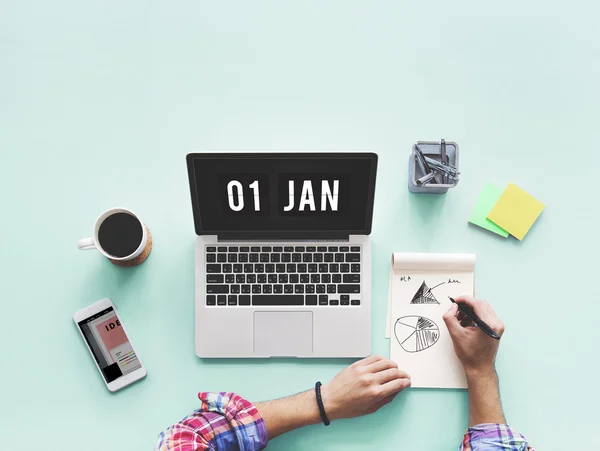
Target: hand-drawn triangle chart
424,295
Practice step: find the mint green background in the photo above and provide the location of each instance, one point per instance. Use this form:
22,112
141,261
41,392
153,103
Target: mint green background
101,100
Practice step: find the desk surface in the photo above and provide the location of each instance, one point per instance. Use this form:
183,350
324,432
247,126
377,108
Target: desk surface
101,101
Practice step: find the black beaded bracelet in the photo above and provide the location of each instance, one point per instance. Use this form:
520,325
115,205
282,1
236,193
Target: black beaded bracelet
320,403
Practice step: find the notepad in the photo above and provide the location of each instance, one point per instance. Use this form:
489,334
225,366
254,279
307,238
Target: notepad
488,197
516,211
419,340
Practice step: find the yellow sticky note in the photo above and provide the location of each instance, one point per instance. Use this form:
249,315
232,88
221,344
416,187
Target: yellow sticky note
515,211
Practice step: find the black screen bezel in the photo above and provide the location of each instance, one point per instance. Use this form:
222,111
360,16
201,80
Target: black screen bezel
282,234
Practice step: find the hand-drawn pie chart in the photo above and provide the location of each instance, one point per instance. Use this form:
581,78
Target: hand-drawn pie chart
416,333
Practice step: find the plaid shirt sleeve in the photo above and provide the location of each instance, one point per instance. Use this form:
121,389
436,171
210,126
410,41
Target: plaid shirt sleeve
493,437
224,422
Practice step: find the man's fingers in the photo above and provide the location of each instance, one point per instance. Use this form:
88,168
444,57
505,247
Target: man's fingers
479,306
368,360
381,365
493,320
452,311
390,374
466,322
484,310
451,320
463,319
394,386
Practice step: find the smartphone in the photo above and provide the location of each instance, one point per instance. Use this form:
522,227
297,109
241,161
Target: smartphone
108,341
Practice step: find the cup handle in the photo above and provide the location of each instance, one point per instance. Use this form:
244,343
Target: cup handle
86,244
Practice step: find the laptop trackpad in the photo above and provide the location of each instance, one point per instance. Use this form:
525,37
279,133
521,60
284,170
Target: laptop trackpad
281,334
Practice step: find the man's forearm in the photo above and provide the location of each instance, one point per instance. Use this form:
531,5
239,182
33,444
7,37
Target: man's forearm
484,398
286,414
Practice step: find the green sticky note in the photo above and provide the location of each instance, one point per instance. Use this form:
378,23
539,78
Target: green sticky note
488,197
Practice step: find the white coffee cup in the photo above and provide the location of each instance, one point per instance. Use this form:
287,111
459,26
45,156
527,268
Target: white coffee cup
136,257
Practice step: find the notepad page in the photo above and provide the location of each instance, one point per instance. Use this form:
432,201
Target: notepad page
419,340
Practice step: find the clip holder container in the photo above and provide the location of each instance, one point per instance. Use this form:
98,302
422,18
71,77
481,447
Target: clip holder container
431,149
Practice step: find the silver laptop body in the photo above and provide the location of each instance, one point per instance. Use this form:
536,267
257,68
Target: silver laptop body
277,274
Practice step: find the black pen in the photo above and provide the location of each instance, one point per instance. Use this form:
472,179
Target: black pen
468,310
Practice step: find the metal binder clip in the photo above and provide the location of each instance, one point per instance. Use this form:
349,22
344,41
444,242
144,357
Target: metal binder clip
441,168
443,156
422,162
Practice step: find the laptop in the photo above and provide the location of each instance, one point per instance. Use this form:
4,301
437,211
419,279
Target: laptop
282,254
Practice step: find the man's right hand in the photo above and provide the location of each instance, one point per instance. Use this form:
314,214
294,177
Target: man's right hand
476,350
363,388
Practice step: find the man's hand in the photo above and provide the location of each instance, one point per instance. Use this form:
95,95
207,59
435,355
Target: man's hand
363,388
476,350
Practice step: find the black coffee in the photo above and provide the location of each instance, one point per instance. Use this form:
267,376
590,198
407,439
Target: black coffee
120,234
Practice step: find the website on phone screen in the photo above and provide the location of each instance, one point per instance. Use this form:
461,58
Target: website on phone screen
109,344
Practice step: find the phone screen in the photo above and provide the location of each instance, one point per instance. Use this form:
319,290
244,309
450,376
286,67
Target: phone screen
108,342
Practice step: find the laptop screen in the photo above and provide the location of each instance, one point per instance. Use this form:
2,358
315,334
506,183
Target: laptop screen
282,192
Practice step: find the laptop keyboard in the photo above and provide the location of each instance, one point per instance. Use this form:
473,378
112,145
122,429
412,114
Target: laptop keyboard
283,275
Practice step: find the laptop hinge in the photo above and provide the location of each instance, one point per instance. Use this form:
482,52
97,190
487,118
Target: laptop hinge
284,236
